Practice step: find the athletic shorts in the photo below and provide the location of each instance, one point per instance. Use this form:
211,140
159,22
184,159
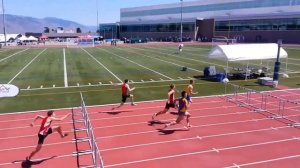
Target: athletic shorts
124,97
183,113
169,105
188,98
43,137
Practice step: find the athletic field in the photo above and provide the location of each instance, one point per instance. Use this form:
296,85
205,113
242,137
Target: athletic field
51,78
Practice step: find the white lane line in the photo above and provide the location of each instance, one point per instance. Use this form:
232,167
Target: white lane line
264,161
193,138
26,66
65,69
216,150
153,143
103,66
236,166
199,152
207,125
138,64
160,59
13,55
158,81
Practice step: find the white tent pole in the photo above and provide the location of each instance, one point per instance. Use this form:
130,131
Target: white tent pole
286,64
246,71
226,70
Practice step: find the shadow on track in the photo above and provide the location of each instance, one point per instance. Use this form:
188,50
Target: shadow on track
115,112
29,164
171,131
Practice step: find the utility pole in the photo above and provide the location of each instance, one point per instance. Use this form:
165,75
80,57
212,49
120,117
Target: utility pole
277,65
98,26
181,1
4,26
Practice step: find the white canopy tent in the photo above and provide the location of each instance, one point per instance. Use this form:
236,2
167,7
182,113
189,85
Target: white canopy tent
23,38
243,52
247,52
31,38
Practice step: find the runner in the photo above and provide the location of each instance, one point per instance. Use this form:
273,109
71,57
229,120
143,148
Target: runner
46,129
170,102
189,91
126,94
182,111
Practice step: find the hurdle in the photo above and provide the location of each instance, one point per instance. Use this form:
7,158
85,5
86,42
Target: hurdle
264,102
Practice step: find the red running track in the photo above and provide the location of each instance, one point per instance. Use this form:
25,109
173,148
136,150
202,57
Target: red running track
223,135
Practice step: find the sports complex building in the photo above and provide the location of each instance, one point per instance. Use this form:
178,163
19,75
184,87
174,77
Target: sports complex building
202,20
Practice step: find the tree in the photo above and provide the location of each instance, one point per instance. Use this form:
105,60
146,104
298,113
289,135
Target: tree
46,30
78,30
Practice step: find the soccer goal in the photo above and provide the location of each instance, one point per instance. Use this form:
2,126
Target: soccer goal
222,41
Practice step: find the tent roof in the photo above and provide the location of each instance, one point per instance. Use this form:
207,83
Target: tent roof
242,52
32,38
22,38
8,36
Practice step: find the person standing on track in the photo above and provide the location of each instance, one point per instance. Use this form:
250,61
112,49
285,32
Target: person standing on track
170,103
126,94
189,91
182,111
46,129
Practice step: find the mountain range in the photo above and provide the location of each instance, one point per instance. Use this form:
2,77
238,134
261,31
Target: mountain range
23,24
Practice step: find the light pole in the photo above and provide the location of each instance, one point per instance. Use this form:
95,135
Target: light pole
181,1
4,27
98,26
228,33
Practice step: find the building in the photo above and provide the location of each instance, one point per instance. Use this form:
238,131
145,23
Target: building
110,30
245,20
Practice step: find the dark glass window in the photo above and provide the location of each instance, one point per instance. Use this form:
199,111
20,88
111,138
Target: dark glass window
259,24
167,27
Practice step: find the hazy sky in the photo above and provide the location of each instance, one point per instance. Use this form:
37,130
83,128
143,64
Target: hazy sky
82,11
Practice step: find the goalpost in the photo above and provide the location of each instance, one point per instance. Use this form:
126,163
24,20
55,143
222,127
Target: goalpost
222,41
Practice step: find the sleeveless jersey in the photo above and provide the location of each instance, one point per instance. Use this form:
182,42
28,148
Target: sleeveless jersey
182,105
124,89
44,129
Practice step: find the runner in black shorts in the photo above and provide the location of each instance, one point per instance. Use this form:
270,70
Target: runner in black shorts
126,94
170,103
124,97
46,129
43,137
